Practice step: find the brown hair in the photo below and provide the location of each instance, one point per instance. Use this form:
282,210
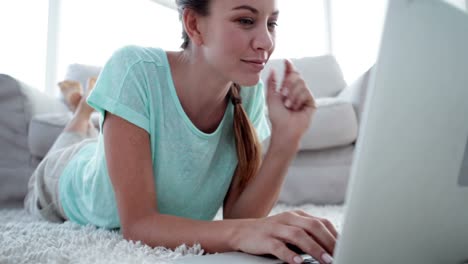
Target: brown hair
201,7
249,149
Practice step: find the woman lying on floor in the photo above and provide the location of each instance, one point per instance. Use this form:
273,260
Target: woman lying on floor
180,136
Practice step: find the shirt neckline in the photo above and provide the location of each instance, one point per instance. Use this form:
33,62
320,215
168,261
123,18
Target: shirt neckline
181,110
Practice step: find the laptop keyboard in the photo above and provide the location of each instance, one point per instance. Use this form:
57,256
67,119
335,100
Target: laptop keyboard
307,261
310,261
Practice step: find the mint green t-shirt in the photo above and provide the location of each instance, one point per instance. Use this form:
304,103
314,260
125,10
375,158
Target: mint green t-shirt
192,169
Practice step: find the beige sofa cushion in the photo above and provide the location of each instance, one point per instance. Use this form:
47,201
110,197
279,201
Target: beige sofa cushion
334,124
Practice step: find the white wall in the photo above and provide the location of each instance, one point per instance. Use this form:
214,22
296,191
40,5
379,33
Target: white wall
23,29
356,31
91,31
142,22
301,29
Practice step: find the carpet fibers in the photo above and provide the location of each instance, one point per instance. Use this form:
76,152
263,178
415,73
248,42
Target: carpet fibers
24,239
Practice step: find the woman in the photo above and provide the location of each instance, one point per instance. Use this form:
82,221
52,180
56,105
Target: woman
180,136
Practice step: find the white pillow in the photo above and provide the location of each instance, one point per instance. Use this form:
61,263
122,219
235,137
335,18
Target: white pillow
322,74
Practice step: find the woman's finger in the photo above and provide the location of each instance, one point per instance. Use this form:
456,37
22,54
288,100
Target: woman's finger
288,83
288,67
288,92
279,249
330,227
300,96
300,238
306,100
271,84
290,75
320,232
326,222
313,226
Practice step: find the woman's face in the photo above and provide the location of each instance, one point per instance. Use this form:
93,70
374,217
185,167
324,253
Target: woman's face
239,37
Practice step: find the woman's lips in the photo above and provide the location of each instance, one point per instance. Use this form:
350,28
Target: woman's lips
256,65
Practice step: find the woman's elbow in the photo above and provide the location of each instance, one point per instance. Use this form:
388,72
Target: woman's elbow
129,233
138,229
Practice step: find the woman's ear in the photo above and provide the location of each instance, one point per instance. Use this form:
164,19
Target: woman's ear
191,21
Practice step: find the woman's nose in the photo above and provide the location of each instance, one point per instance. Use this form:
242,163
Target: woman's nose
263,39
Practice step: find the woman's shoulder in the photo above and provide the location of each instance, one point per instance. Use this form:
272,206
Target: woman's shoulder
131,54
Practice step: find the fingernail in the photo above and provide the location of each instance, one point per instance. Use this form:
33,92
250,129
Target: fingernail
298,259
327,258
287,103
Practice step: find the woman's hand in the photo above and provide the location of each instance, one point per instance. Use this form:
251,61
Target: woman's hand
315,236
291,108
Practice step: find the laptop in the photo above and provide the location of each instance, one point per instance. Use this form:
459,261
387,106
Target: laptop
407,198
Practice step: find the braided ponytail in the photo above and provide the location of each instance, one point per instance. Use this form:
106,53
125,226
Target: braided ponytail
249,149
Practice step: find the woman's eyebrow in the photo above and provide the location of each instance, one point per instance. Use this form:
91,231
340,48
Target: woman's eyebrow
252,9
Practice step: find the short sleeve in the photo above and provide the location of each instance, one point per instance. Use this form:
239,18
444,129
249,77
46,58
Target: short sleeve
254,103
121,88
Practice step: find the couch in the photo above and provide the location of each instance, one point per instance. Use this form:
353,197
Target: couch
31,120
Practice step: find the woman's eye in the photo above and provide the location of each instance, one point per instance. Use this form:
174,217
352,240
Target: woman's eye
272,25
246,21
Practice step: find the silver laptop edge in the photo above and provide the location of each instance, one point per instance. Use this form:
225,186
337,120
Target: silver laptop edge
406,200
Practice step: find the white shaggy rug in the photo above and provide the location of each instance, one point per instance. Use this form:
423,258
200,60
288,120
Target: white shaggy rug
24,239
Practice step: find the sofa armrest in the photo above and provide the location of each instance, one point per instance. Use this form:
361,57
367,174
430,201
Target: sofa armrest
356,93
27,100
18,104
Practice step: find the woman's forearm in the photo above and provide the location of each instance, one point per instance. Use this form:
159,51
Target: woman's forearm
172,231
262,192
